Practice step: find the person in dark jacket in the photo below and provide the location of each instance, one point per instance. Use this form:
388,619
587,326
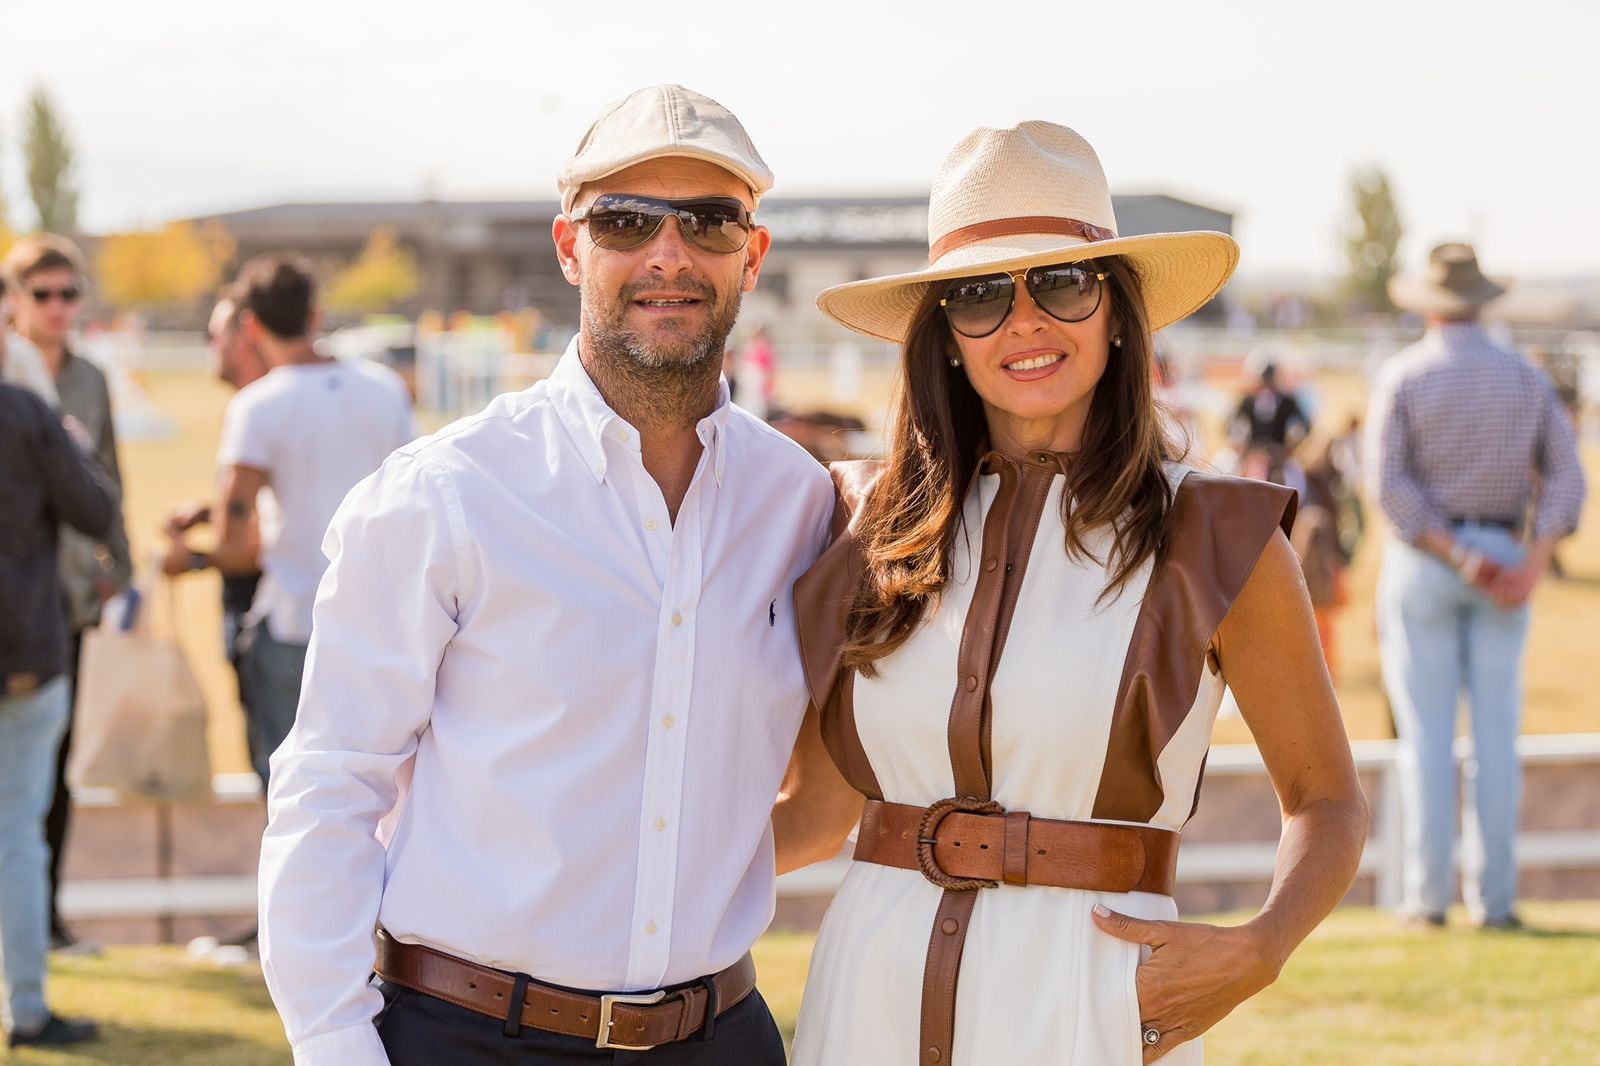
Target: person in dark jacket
47,480
50,278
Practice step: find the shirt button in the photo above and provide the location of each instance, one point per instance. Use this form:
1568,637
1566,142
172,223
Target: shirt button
972,683
650,523
677,619
599,470
668,722
660,824
650,928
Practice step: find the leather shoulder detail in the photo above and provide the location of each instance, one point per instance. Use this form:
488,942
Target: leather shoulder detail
823,594
852,483
1221,525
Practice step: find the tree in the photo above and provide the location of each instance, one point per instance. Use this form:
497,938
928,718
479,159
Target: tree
48,156
173,265
383,275
1374,238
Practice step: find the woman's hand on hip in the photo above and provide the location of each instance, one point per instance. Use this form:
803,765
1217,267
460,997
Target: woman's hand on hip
1196,973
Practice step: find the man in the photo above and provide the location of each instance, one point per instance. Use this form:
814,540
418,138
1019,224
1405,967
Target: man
570,614
1269,417
45,481
49,275
294,442
1457,430
237,362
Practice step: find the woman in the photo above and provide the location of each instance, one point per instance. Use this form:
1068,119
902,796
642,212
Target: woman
1018,641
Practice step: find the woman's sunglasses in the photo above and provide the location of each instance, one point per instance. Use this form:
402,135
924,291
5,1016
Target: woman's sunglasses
622,223
975,307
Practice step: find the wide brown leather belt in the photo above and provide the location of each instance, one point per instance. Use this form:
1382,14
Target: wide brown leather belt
632,1022
959,849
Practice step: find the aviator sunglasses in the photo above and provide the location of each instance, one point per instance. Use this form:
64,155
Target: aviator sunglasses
622,223
1068,292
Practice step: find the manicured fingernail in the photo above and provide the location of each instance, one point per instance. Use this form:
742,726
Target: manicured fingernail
1102,910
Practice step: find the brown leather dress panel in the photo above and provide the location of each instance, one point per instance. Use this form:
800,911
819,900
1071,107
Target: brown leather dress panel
1008,534
1221,526
822,598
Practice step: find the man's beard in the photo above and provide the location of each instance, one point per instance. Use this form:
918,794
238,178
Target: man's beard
664,376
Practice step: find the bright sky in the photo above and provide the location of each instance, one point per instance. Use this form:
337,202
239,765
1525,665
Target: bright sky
1483,112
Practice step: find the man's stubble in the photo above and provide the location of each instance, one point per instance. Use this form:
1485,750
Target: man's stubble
666,378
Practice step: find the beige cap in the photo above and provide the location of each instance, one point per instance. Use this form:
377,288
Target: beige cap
663,120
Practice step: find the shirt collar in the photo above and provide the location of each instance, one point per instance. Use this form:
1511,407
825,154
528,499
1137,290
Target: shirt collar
1457,331
591,421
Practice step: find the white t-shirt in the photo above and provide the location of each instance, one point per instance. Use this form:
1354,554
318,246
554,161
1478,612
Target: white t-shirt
314,429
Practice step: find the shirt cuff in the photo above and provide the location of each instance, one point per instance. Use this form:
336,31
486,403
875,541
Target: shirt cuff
357,1045
1553,528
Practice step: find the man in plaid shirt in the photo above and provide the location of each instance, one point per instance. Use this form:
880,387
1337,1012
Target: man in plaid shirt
1473,462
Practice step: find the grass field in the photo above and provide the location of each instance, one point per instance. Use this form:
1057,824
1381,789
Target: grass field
1358,992
1563,673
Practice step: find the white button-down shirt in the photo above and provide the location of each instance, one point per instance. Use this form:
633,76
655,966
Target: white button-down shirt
600,704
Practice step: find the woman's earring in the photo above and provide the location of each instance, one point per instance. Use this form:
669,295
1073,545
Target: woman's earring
1116,342
955,360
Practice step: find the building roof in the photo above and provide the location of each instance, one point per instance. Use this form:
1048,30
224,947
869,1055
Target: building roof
817,221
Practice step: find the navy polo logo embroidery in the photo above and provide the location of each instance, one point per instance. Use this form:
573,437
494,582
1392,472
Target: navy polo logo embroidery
772,614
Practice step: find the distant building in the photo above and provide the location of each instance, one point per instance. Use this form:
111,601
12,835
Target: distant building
489,256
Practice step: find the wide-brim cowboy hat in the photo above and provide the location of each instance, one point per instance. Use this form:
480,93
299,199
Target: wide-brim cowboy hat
1031,195
1453,284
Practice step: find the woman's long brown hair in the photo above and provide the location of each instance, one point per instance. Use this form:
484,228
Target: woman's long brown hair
908,525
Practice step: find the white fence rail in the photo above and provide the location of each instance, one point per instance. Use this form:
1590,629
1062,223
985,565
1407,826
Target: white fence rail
1209,862
1200,861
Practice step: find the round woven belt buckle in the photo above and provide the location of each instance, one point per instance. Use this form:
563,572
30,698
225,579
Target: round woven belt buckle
926,839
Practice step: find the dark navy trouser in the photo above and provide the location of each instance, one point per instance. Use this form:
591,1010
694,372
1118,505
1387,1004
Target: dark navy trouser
422,1030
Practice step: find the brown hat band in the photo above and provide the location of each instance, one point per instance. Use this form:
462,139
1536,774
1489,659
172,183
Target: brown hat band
1010,227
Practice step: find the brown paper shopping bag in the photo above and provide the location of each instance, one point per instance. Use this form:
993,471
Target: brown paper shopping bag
140,725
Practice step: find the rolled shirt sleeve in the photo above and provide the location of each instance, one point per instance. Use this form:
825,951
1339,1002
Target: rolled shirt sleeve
385,612
1391,479
1561,482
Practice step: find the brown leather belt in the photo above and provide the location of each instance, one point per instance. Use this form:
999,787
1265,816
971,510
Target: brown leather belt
632,1022
963,849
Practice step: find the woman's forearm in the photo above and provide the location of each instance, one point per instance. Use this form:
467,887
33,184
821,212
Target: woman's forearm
1319,852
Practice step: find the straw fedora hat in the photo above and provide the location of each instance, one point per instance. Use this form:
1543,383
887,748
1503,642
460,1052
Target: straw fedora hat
1031,195
1452,285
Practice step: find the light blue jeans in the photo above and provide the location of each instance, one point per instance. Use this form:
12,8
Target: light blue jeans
30,732
1439,637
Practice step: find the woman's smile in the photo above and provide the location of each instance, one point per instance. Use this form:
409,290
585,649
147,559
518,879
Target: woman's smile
1035,364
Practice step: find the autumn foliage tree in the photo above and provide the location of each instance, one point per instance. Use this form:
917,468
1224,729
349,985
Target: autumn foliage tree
384,274
176,264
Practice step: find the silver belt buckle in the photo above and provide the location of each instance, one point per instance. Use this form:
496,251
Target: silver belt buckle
607,1002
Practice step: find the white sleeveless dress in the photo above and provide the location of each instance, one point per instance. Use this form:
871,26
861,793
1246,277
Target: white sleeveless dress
1039,982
